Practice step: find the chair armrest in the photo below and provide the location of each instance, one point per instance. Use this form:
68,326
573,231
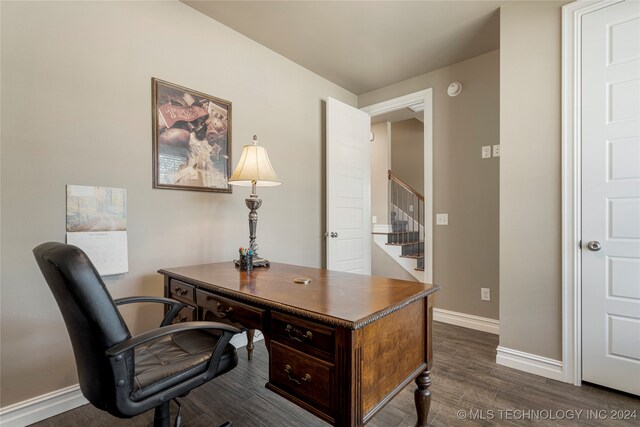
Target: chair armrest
129,300
176,306
167,330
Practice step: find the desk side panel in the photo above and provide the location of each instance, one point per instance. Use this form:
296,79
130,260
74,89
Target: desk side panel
393,353
429,328
349,374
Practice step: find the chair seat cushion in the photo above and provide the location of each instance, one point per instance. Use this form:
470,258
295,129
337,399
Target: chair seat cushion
176,358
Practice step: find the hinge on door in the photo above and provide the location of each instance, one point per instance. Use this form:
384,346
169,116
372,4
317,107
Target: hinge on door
579,244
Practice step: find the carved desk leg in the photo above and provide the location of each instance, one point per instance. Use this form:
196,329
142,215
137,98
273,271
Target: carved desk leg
250,346
422,397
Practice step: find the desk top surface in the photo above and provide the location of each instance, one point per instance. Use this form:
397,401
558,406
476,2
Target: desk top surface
345,299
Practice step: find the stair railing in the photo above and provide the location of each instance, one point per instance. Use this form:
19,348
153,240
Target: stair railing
406,216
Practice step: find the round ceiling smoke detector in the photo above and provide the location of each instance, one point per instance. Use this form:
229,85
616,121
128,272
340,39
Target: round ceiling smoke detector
454,89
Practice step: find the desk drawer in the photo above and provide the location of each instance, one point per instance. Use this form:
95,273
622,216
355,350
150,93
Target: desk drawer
219,309
301,375
181,291
187,314
302,334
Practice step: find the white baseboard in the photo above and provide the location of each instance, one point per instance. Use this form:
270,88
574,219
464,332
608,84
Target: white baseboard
42,407
48,405
527,362
467,320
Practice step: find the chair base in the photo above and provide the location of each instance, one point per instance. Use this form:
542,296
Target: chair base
161,416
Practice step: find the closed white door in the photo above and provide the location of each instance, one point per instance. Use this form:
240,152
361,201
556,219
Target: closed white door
611,197
348,188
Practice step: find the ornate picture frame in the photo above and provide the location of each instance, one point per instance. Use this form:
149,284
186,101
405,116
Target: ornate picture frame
191,139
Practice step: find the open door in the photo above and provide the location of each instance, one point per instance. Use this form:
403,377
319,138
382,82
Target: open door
348,188
611,197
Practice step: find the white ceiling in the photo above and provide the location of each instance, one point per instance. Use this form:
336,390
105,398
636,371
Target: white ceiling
365,45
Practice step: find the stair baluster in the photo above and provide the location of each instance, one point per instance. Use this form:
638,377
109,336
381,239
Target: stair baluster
407,216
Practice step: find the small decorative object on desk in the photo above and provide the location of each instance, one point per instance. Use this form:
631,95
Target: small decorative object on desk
246,260
249,258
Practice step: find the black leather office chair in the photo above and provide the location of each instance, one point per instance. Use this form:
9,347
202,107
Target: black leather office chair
126,375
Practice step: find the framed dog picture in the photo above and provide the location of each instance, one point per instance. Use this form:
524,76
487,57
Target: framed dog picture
191,139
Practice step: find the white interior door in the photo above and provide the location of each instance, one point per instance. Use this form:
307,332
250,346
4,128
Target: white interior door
348,188
611,197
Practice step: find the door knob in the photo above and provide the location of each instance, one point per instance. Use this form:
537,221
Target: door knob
334,234
594,246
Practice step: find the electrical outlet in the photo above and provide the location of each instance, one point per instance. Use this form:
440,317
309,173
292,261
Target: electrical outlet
486,152
374,220
442,219
410,208
496,150
485,294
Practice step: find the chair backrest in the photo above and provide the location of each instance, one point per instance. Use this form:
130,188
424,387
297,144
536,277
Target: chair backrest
93,322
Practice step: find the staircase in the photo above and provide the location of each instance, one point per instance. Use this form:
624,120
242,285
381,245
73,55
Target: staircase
406,231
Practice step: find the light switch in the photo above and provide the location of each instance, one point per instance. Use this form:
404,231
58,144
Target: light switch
486,152
442,219
374,220
496,150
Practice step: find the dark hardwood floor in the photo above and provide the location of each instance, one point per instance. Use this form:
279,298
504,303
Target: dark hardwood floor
465,378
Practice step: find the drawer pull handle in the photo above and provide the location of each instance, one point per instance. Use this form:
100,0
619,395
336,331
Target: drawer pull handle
297,335
181,292
221,311
305,379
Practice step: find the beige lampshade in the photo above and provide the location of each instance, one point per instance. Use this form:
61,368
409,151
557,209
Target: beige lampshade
254,165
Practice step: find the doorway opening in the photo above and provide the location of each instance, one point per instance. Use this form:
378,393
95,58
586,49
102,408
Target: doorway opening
405,216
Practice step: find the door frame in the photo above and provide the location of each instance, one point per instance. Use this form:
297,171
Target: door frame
572,186
421,100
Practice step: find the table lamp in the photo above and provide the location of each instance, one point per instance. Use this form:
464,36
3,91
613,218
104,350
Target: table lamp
254,169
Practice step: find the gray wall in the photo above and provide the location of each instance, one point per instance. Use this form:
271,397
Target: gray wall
380,165
530,183
465,186
76,83
407,152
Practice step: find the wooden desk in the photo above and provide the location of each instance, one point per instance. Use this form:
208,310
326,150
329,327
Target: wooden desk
340,347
